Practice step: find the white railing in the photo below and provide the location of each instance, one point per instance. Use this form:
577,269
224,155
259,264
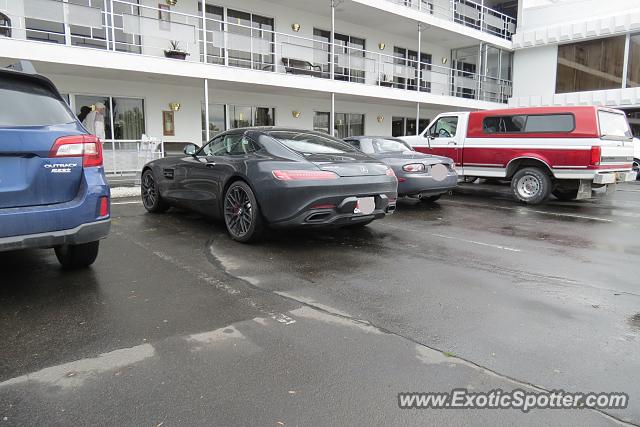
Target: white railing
128,156
122,26
466,12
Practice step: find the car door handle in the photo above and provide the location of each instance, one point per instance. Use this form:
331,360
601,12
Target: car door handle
452,143
211,165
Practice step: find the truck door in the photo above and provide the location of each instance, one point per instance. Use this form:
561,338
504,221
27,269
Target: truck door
444,138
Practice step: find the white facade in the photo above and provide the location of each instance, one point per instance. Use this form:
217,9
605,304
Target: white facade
545,31
267,55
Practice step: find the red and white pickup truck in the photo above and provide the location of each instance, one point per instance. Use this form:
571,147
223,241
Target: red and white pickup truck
567,151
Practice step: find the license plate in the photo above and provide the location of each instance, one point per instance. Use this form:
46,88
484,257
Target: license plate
365,205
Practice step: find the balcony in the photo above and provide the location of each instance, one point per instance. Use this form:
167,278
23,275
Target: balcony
122,26
467,13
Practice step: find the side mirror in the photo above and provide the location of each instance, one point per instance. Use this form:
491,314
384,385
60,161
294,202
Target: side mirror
190,149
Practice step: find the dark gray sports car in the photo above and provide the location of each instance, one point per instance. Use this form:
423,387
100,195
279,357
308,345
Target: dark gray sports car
278,177
419,175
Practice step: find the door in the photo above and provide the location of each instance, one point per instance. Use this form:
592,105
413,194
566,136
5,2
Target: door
442,138
215,163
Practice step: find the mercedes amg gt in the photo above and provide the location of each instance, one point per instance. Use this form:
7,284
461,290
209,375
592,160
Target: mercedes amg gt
254,178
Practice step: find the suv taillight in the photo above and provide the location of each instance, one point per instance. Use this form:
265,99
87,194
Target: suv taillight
596,152
88,147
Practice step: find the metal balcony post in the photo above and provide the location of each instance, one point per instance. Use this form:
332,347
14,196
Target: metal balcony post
106,22
113,27
332,47
419,77
206,109
332,119
205,58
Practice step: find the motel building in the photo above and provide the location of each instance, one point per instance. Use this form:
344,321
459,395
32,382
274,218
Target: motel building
578,52
179,71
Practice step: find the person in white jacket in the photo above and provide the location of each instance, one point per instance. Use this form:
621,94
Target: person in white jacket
94,122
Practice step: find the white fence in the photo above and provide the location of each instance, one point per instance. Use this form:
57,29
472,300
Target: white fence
127,157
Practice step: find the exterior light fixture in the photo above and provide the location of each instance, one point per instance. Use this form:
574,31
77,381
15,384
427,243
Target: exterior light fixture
380,118
174,106
172,2
444,59
295,114
381,45
295,27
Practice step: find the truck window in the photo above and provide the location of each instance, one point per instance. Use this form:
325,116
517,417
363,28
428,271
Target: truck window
504,124
613,125
550,123
444,127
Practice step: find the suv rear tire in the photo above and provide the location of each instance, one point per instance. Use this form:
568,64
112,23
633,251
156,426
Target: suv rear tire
531,185
77,256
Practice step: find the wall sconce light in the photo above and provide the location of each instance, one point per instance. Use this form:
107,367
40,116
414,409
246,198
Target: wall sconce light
381,46
444,60
174,106
172,2
295,114
295,27
380,118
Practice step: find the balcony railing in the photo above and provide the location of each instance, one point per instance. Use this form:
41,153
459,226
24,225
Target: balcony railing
119,25
467,13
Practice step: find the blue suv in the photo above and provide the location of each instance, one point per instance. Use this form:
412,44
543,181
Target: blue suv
53,192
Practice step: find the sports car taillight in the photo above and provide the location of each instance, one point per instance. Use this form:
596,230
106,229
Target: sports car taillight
596,152
88,147
390,172
304,175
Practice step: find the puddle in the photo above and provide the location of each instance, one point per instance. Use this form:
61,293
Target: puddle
634,321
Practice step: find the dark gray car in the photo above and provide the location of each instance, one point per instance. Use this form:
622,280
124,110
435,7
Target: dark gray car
275,177
419,175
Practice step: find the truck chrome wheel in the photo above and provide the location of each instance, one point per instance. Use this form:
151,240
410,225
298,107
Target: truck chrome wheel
528,186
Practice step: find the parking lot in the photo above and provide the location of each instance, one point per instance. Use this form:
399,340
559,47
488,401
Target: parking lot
176,324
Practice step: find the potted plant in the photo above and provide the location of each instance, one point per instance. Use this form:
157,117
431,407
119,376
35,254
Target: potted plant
175,52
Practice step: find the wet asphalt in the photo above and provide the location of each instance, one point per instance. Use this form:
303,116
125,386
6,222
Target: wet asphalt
176,324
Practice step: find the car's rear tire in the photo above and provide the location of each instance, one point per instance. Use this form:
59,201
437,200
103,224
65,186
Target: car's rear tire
77,256
151,199
531,185
636,167
242,214
430,199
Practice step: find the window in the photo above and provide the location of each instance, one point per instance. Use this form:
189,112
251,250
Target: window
590,65
217,120
5,25
349,51
550,123
231,144
346,124
321,122
25,103
349,125
311,143
215,16
613,125
382,145
403,126
531,124
409,59
260,31
504,124
241,116
633,75
128,115
445,127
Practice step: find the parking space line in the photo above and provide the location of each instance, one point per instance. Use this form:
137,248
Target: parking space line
475,242
132,202
560,214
